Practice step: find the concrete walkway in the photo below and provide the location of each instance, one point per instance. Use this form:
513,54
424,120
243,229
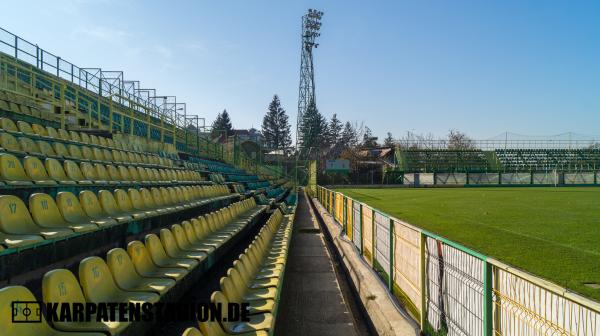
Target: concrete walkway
312,301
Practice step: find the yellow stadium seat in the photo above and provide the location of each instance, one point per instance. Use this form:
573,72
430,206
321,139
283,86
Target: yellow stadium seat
138,204
8,125
257,322
92,208
102,141
52,133
97,154
235,292
159,201
191,332
29,146
46,214
198,243
109,205
135,176
184,243
174,251
168,199
25,128
10,144
86,152
125,206
107,155
143,175
63,134
110,143
12,172
39,130
103,175
17,294
162,259
46,149
85,138
61,286
98,284
145,266
132,158
127,278
70,208
74,173
15,219
34,168
75,152
114,174
116,156
124,172
94,140
56,172
75,136
89,173
150,203
61,150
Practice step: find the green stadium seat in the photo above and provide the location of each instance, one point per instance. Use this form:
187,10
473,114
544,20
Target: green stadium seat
127,278
56,172
159,256
34,168
98,284
11,294
46,214
109,205
93,209
74,173
145,266
61,286
12,172
16,219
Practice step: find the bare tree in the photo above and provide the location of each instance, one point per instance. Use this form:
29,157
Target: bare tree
459,140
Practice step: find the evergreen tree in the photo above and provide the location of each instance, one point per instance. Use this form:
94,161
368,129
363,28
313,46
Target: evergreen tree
313,128
348,137
389,140
334,130
276,127
368,139
222,125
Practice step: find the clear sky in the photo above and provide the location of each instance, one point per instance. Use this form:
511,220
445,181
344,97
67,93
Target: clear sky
529,67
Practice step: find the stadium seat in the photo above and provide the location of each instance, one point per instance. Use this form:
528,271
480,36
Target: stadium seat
63,134
75,152
85,138
257,322
124,173
56,172
46,149
61,150
159,256
145,266
191,331
71,210
61,286
74,173
127,278
39,130
17,294
74,136
8,125
89,173
236,291
173,250
103,175
93,209
25,128
125,206
29,146
46,214
109,205
137,201
12,172
98,284
10,144
15,219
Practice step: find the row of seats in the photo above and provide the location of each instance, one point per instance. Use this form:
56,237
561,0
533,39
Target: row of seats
217,178
256,278
144,272
17,104
238,188
46,218
52,172
62,135
26,144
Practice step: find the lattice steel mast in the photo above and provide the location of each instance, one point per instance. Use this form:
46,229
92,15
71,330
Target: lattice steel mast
311,24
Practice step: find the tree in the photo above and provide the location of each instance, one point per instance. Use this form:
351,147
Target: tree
459,140
348,136
313,128
368,139
222,125
389,140
276,127
334,130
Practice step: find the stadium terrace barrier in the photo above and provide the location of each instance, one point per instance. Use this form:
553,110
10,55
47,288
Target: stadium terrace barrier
452,290
502,178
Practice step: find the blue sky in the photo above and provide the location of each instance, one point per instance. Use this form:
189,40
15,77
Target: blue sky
528,67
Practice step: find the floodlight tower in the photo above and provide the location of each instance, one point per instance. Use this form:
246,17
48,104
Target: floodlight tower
311,24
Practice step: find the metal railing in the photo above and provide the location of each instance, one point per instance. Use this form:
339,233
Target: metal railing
452,290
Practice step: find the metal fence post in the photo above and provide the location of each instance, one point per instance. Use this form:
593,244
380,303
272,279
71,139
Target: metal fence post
488,304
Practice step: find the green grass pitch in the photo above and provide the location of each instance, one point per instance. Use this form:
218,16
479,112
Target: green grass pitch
551,232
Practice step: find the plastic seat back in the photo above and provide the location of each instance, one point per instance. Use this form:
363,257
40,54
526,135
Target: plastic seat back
123,201
86,152
60,149
96,280
91,205
52,132
61,286
55,170
107,155
108,203
124,172
8,125
11,169
73,171
101,172
28,145
156,249
85,138
70,208
97,154
9,142
94,140
39,130
157,196
122,268
74,136
114,174
75,151
45,212
136,199
63,134
148,198
102,141
140,257
34,168
45,148
17,294
133,172
15,217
